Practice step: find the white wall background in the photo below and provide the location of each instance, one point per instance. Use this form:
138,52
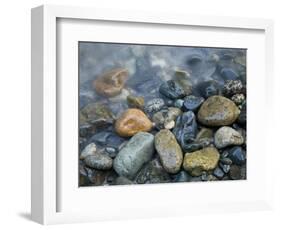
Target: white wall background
15,112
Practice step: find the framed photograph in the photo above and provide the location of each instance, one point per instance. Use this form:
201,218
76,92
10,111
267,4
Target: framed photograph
141,114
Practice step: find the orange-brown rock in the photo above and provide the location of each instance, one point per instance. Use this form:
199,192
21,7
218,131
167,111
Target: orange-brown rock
131,122
111,82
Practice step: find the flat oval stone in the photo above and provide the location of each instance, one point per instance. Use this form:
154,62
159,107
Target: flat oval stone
202,160
226,136
169,151
98,161
134,155
111,83
218,111
131,122
171,90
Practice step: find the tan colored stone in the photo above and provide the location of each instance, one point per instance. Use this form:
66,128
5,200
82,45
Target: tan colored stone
202,160
218,111
169,150
111,83
131,122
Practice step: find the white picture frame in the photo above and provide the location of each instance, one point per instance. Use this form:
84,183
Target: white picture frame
46,197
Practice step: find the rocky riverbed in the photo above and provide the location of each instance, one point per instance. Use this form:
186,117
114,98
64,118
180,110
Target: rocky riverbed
160,114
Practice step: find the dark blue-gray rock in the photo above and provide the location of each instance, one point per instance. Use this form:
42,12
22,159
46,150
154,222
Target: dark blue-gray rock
204,176
194,59
232,87
237,155
169,151
226,160
218,173
97,177
178,103
208,88
229,74
107,138
225,167
98,161
243,115
134,155
226,136
185,129
192,102
182,176
235,172
152,172
154,105
171,90
85,129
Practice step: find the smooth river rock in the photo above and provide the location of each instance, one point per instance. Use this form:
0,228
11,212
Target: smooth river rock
226,136
218,111
98,161
134,155
202,160
111,83
90,149
171,89
131,122
169,151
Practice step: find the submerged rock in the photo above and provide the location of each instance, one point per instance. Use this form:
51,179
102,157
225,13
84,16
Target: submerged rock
226,136
182,78
131,122
208,88
135,102
134,155
218,111
169,151
154,105
229,74
171,90
111,83
202,160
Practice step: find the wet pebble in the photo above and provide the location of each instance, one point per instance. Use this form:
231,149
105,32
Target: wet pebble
202,160
192,102
208,88
238,98
232,87
218,111
235,172
134,155
243,115
218,172
165,118
90,149
131,122
171,90
178,103
185,130
122,181
111,152
98,161
226,136
169,151
154,105
237,155
225,167
182,176
135,102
